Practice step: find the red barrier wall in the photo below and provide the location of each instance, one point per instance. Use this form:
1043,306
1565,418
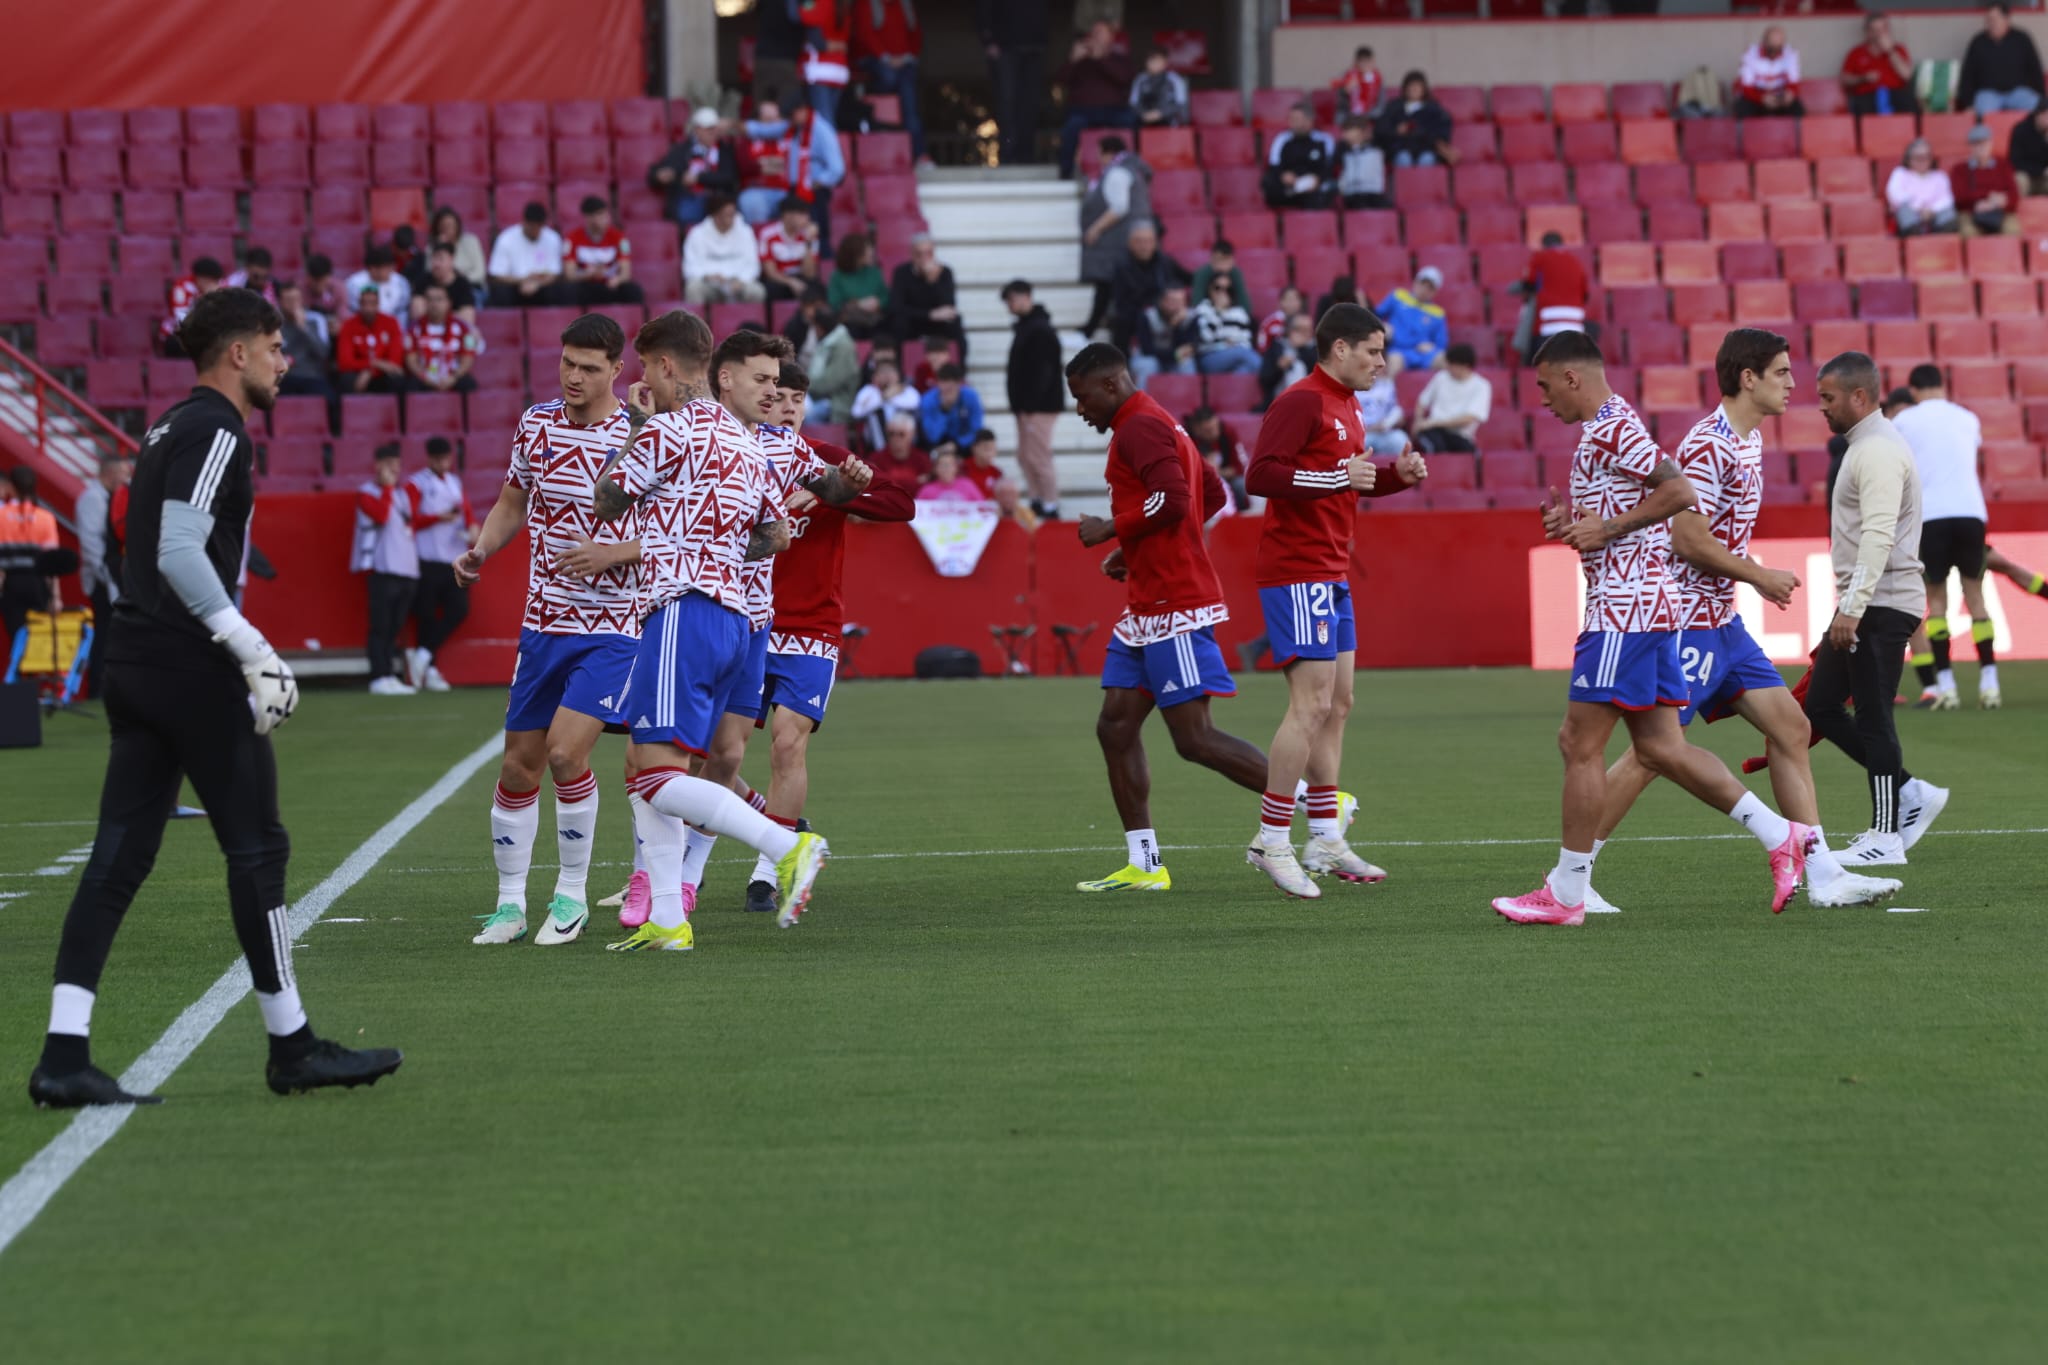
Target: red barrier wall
1433,589
130,54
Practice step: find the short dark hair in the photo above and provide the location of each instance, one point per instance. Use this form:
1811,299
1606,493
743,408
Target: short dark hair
1352,322
846,256
403,237
594,203
259,255
534,212
207,268
718,203
1746,348
1856,370
1098,357
1926,376
1112,145
318,264
815,293
950,373
440,445
1899,397
390,450
794,376
791,204
1461,353
1222,247
1202,413
442,249
1409,78
1570,348
23,477
747,343
380,255
594,332
679,334
1362,52
1016,287
1356,121
1304,107
983,435
1552,240
2006,10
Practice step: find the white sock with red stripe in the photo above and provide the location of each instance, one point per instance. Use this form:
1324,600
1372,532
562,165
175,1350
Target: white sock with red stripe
672,791
515,819
1322,813
661,848
1276,820
575,828
697,846
764,866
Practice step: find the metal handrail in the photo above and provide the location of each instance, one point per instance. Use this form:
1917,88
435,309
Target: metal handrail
48,392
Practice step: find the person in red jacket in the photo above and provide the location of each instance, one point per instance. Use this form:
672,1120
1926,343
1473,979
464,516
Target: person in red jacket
1987,196
1558,281
369,349
827,29
888,39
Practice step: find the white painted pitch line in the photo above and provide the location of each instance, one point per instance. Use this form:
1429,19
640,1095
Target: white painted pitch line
29,1189
1905,909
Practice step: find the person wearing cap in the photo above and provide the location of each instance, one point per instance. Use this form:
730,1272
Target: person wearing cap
1986,193
598,258
1417,331
526,263
443,528
1037,395
701,165
1919,195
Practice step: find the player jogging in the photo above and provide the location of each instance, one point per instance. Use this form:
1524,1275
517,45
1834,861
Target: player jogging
579,637
1163,652
1726,671
2026,580
1312,462
192,690
1623,492
1945,438
708,506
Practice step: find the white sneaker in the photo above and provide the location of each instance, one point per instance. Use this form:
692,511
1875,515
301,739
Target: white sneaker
390,687
434,681
1285,869
565,921
1946,700
1852,888
416,661
1990,698
1597,904
1871,849
1334,858
507,924
1920,802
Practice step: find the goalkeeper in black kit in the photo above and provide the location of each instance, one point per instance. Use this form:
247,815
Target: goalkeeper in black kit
192,690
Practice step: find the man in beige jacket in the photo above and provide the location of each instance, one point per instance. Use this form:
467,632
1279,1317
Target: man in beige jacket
1874,534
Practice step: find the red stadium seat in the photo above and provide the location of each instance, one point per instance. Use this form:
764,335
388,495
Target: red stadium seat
1372,228
300,415
1884,137
1668,387
1675,222
1464,103
400,123
156,166
30,215
499,367
524,159
297,454
1796,222
1784,178
570,194
1436,226
638,116
1948,135
149,255
1233,393
340,206
1270,107
341,123
202,211
1475,142
1264,269
35,128
1766,138
520,119
1995,256
2007,461
465,161
1735,222
1946,298
1849,218
1304,229
1831,338
1518,104
1235,189
1168,148
373,415
2008,296
1749,261
1215,108
1575,102
462,119
1541,182
1233,145
85,211
1842,177
1637,303
1564,219
583,158
1720,181
1249,230
282,123
1827,138
2001,421
1494,226
279,164
1627,264
2021,338
1654,343
1691,303
1957,339
1453,260
1483,184
391,206
1177,393
1762,300
64,342
83,253
115,383
1417,186
1822,95
131,335
400,163
1691,263
1939,256
342,245
1179,193
1815,260
1663,180
102,127
882,153
1508,466
472,203
1522,143
206,123
95,166
1583,142
1706,139
276,212
579,118
75,292
1870,258
215,166
1641,99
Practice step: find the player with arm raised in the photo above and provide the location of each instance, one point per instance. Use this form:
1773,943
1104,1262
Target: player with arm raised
1312,463
1726,671
579,637
708,505
1624,492
1163,652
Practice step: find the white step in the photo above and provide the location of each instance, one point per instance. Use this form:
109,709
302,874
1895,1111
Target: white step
987,264
1069,434
1030,221
983,309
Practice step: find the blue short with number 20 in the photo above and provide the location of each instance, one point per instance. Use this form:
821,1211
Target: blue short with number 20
1308,621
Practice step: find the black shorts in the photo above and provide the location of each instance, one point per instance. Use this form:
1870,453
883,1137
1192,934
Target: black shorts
1951,543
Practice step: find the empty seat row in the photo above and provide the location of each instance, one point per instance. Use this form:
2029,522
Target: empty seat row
633,117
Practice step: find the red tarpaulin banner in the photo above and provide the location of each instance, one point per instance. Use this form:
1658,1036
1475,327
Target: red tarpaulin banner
130,54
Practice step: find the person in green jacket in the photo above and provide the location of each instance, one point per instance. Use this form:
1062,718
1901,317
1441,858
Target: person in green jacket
858,293
1222,261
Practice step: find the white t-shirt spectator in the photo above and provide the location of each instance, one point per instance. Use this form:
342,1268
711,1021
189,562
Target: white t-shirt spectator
734,255
1945,437
513,257
440,536
1447,396
1767,75
1380,405
1925,192
394,296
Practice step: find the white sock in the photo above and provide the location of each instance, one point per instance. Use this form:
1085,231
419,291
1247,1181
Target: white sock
71,1011
661,846
717,810
639,857
575,832
515,819
1946,680
283,1015
697,846
1987,678
764,870
1594,856
1143,846
1301,791
1569,878
1770,828
1821,866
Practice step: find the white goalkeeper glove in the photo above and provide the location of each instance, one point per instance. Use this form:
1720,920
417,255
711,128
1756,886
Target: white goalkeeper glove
273,691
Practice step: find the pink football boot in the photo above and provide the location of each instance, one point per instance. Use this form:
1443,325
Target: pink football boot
1788,866
1539,907
633,911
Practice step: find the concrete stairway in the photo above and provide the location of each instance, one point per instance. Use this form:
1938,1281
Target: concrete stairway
993,226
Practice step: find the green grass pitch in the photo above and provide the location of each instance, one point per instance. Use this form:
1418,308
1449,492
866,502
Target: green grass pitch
965,1114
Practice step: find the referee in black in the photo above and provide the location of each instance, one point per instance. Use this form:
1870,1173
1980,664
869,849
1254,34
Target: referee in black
192,690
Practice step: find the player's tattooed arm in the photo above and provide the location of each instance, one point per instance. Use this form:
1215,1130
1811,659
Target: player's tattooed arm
843,484
607,499
768,538
1670,493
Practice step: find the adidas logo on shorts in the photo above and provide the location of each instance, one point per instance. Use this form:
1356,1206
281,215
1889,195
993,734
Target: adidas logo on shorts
1580,681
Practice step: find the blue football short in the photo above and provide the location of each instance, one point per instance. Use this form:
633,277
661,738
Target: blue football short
801,683
690,653
1180,668
587,674
1721,665
743,696
1632,670
1308,621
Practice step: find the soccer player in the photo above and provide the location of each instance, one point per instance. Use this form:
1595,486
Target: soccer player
580,635
1312,462
1623,492
1945,438
193,691
2026,580
1727,673
1163,652
708,505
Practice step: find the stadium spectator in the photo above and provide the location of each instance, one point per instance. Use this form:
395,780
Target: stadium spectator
1379,407
1097,80
1145,274
446,527
1119,197
981,467
1301,163
380,272
526,263
369,349
444,348
445,228
441,270
1343,289
203,278
1159,95
1225,331
722,258
1361,166
1877,75
922,300
789,250
1036,394
1165,337
1222,264
405,250
937,351
1417,330
883,397
1920,197
27,529
888,40
1768,82
827,61
857,291
1359,88
1986,194
703,164
1557,285
949,483
597,258
256,274
1274,325
899,459
1414,130
1453,405
305,344
386,551
1290,358
952,410
99,555
833,364
764,164
1220,448
323,291
2027,152
2001,67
